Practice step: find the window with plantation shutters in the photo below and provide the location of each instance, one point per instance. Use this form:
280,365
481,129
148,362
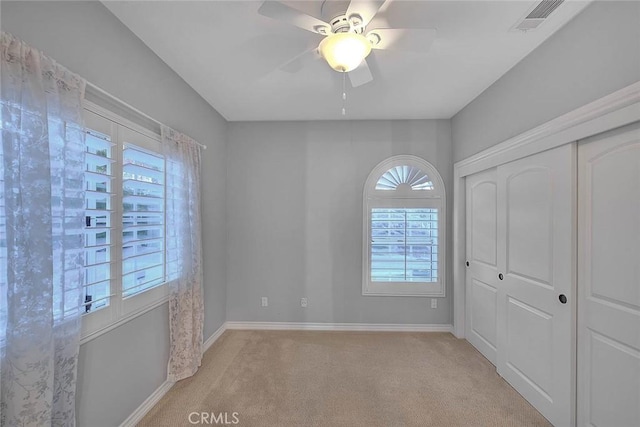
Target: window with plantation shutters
404,225
124,225
98,216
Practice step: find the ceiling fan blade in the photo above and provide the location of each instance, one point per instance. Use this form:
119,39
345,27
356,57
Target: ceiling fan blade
360,75
407,39
282,12
366,9
300,61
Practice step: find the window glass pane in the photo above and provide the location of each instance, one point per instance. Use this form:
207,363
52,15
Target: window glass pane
142,220
98,212
404,245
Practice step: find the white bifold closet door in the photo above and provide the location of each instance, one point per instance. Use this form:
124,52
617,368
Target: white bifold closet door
609,279
520,278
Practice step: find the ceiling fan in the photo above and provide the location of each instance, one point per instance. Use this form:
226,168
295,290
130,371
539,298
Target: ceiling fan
348,38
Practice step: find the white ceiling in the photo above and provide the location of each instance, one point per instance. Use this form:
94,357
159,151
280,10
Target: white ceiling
231,56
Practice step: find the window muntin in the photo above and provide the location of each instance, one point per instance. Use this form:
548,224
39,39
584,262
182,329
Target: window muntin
404,227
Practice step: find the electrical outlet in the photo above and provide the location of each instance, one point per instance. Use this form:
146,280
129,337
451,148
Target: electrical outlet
303,302
434,303
265,302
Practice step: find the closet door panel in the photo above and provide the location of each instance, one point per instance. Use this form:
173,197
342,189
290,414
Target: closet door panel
481,286
609,279
535,255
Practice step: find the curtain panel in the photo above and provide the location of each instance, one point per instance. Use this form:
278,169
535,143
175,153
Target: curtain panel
184,254
41,236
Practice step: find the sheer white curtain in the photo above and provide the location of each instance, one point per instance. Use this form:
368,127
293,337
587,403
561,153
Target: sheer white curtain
184,258
41,236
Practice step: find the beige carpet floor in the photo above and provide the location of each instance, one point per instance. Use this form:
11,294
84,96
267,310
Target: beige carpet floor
296,378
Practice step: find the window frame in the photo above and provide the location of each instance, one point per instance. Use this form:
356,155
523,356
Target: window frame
122,310
404,198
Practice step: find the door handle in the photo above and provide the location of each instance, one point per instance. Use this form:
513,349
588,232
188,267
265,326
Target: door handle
467,263
563,298
500,276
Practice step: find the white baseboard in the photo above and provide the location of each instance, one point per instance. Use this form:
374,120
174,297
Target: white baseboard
146,406
214,337
307,326
155,397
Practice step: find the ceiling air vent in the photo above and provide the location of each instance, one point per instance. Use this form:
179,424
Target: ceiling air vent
537,15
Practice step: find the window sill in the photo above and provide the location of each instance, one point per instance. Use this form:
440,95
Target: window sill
403,289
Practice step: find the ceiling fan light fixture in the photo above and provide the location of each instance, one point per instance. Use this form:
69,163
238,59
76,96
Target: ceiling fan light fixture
344,51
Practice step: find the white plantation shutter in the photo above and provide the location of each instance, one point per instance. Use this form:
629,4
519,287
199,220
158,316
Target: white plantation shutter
143,177
404,245
411,176
98,219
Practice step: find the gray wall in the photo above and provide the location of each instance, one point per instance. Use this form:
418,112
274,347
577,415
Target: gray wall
121,368
595,54
294,198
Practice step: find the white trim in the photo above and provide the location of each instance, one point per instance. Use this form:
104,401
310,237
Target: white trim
214,337
436,198
459,253
142,410
368,327
123,121
612,111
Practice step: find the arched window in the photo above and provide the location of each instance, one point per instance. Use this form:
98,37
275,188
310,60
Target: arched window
404,225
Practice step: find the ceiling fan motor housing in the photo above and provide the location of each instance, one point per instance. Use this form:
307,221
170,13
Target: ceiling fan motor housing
335,13
344,24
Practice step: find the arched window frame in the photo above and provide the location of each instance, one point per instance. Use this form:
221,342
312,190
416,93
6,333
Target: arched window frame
404,197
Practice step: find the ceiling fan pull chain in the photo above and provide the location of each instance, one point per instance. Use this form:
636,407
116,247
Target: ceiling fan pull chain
344,93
